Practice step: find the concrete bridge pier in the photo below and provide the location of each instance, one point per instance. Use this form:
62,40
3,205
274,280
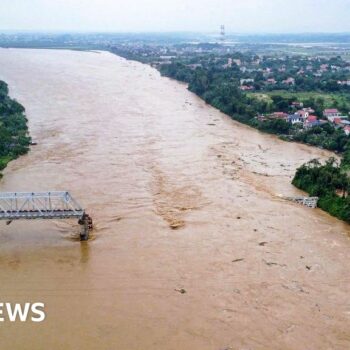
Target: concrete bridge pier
86,226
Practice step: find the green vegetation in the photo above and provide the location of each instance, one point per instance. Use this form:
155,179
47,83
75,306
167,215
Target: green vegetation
14,139
330,182
314,99
324,136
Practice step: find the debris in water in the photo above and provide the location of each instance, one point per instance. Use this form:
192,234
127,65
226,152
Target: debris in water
181,290
270,263
295,286
176,224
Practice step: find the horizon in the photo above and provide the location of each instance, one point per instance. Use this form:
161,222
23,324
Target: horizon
76,31
112,16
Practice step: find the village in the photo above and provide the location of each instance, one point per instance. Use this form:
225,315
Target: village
251,69
306,119
293,73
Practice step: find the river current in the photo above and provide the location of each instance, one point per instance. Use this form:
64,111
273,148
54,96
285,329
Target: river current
182,197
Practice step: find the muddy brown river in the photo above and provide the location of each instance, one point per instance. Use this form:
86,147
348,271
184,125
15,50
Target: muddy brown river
182,197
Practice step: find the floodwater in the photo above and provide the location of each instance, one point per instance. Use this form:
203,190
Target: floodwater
182,197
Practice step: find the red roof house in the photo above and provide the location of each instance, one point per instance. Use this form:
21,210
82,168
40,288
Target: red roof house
312,118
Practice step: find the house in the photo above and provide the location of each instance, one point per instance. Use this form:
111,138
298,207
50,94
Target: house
295,118
303,114
337,121
238,62
246,88
297,104
279,115
340,123
271,81
311,121
347,130
344,82
289,81
331,113
309,110
261,117
311,118
245,81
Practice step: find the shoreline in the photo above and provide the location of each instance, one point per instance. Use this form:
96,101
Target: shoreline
238,118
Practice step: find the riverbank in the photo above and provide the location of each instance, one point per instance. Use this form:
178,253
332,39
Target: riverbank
224,94
14,138
220,84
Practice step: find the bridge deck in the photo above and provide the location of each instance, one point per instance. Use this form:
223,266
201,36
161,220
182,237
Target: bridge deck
38,205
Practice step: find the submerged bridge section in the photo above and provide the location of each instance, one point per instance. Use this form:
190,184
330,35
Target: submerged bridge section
43,205
310,202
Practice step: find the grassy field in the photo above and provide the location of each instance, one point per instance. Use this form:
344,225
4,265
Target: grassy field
335,100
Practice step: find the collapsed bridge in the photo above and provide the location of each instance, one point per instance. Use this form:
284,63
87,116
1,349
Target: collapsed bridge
43,205
310,202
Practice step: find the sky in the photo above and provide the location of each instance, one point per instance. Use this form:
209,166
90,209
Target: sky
238,16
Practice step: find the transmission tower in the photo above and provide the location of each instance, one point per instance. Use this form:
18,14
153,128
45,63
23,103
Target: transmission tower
222,33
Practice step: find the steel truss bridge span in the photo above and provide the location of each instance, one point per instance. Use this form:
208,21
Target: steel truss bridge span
43,205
